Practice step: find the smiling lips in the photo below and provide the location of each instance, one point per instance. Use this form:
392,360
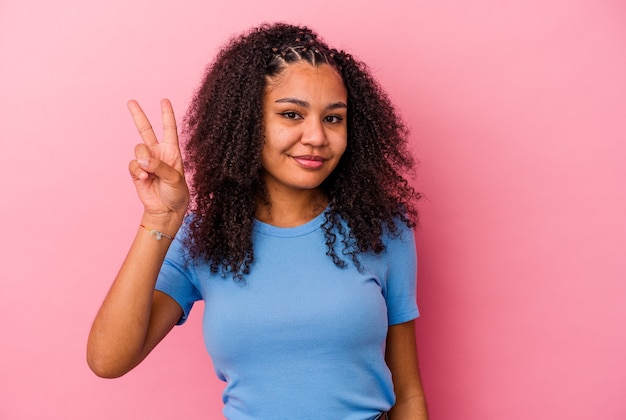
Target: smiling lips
309,162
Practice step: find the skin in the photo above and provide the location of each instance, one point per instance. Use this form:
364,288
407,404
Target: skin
401,357
134,317
304,112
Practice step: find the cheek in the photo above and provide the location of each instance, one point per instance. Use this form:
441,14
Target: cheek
266,152
341,147
277,139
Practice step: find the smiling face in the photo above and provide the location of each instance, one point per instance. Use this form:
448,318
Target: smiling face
304,115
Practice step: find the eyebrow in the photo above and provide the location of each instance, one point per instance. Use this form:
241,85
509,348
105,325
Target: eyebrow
305,104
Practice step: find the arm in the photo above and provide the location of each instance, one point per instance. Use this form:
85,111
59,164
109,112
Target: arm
133,317
401,357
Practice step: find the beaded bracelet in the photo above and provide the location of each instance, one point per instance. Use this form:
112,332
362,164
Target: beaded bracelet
157,234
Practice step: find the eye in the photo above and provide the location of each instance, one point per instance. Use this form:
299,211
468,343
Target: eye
333,119
291,115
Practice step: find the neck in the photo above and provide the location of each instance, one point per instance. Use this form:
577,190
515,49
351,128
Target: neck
291,210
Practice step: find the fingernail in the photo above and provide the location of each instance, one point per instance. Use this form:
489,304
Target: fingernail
143,162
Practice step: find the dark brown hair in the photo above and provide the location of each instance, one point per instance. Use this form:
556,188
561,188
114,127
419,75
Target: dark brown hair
224,138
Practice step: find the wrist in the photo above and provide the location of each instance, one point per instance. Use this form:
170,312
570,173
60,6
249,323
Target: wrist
164,224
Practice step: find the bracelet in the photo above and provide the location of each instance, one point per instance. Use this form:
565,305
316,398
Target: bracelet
157,234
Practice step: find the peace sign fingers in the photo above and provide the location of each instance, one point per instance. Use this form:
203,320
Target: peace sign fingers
157,169
142,123
170,131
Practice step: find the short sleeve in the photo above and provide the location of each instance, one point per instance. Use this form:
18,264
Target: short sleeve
177,278
401,284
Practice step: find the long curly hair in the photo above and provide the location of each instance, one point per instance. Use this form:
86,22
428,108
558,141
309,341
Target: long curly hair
367,193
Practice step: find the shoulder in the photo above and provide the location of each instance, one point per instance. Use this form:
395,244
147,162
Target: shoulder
398,232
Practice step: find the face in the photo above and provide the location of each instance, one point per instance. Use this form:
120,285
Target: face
304,115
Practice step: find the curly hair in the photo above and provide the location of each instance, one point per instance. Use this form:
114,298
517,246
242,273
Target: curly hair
224,132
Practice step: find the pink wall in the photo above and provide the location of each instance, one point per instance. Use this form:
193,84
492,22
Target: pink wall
518,111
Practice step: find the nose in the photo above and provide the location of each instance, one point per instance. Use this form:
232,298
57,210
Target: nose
314,133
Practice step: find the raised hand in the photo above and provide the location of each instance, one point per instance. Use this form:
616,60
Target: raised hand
157,169
116,345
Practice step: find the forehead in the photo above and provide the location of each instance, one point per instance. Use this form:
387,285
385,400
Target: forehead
306,79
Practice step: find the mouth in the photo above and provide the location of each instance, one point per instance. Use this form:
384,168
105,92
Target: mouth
309,162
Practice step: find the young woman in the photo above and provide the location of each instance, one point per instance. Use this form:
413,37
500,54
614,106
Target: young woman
297,236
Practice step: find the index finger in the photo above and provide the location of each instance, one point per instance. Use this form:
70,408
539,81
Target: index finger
170,133
142,123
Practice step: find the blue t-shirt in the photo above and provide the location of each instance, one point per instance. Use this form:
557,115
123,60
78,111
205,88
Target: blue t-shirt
301,337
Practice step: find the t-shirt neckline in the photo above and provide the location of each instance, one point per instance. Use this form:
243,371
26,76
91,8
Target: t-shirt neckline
287,232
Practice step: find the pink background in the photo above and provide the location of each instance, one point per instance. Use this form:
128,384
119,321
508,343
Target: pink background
518,115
